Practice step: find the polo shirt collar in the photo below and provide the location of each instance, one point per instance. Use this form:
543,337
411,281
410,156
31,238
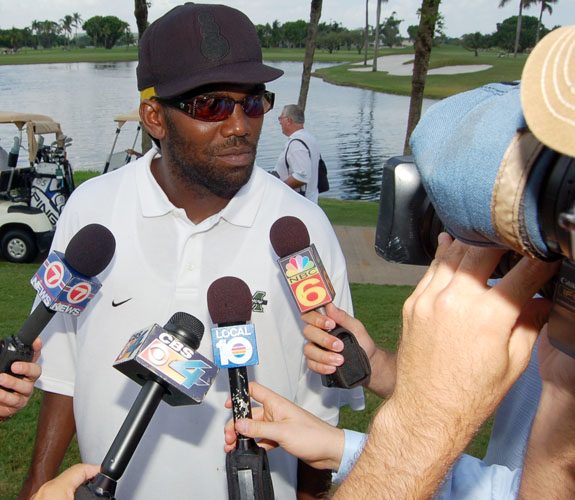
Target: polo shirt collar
240,211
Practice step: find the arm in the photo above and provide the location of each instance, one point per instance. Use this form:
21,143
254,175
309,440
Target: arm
65,485
322,348
22,388
299,162
549,469
279,422
463,345
56,427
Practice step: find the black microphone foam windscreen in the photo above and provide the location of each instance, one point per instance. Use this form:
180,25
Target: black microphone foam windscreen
289,235
91,249
229,301
187,327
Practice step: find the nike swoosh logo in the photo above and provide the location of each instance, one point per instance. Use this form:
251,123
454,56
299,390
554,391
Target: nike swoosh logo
116,304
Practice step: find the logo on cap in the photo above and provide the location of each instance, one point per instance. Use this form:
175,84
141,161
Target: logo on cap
214,45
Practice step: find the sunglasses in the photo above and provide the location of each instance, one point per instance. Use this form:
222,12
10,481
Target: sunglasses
213,108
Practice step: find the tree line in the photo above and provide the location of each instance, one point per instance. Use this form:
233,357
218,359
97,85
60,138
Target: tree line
98,31
108,31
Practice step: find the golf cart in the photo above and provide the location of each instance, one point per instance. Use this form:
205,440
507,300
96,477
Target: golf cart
33,191
119,159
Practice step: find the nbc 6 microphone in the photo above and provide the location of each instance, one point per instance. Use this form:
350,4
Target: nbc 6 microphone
235,348
64,283
165,362
311,289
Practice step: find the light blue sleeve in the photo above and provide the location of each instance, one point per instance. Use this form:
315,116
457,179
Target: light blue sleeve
354,444
471,479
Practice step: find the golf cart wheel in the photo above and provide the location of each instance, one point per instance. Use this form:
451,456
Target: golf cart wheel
19,246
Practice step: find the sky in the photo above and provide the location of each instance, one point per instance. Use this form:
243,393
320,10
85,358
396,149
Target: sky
461,16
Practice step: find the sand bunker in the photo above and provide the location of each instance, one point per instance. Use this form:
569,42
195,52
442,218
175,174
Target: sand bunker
396,65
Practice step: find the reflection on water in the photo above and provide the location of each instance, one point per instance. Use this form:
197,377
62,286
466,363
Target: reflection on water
357,129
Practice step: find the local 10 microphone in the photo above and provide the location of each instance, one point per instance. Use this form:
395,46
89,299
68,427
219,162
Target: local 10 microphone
235,348
64,283
311,289
165,362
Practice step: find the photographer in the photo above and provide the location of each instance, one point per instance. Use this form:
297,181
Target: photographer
388,459
449,378
547,95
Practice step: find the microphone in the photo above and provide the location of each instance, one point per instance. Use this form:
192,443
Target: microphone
312,289
235,348
65,283
165,363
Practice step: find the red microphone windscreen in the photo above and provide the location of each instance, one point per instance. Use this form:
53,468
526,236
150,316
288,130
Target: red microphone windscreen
90,250
289,235
229,301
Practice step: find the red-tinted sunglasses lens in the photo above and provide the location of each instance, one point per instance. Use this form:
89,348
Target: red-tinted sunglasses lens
213,108
219,108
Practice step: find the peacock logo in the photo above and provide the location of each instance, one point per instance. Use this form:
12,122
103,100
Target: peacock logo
298,264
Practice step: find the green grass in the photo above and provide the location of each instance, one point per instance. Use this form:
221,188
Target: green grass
60,55
436,86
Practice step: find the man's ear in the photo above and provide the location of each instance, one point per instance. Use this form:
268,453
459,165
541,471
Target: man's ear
152,117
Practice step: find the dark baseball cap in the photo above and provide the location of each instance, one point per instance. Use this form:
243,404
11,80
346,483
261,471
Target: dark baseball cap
200,44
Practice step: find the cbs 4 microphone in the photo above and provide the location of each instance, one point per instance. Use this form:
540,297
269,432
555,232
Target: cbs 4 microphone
165,362
311,289
65,283
235,348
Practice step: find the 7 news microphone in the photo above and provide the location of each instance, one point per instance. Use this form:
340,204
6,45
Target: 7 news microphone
311,289
235,348
165,362
64,283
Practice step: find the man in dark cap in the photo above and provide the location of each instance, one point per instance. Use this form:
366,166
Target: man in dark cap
190,211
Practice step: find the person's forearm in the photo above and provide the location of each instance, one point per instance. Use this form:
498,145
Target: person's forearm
293,182
383,372
56,428
549,469
403,460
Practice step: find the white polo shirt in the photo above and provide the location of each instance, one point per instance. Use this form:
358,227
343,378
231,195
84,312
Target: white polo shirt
303,162
163,264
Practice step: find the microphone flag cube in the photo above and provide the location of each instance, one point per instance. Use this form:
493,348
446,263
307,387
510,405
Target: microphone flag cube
307,279
235,346
61,288
154,353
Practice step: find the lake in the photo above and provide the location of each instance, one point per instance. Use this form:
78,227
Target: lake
357,129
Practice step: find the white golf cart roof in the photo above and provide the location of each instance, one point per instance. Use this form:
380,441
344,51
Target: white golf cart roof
35,124
132,116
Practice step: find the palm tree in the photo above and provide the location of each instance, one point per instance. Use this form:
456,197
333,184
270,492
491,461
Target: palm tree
36,26
522,3
545,6
141,14
429,14
366,32
77,23
378,15
310,44
66,25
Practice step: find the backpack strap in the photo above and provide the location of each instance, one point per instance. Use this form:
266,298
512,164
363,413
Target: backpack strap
303,188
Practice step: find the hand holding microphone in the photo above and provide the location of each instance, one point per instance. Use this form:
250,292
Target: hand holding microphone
165,361
235,348
311,289
64,283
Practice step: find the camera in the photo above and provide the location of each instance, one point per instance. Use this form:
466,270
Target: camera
409,223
